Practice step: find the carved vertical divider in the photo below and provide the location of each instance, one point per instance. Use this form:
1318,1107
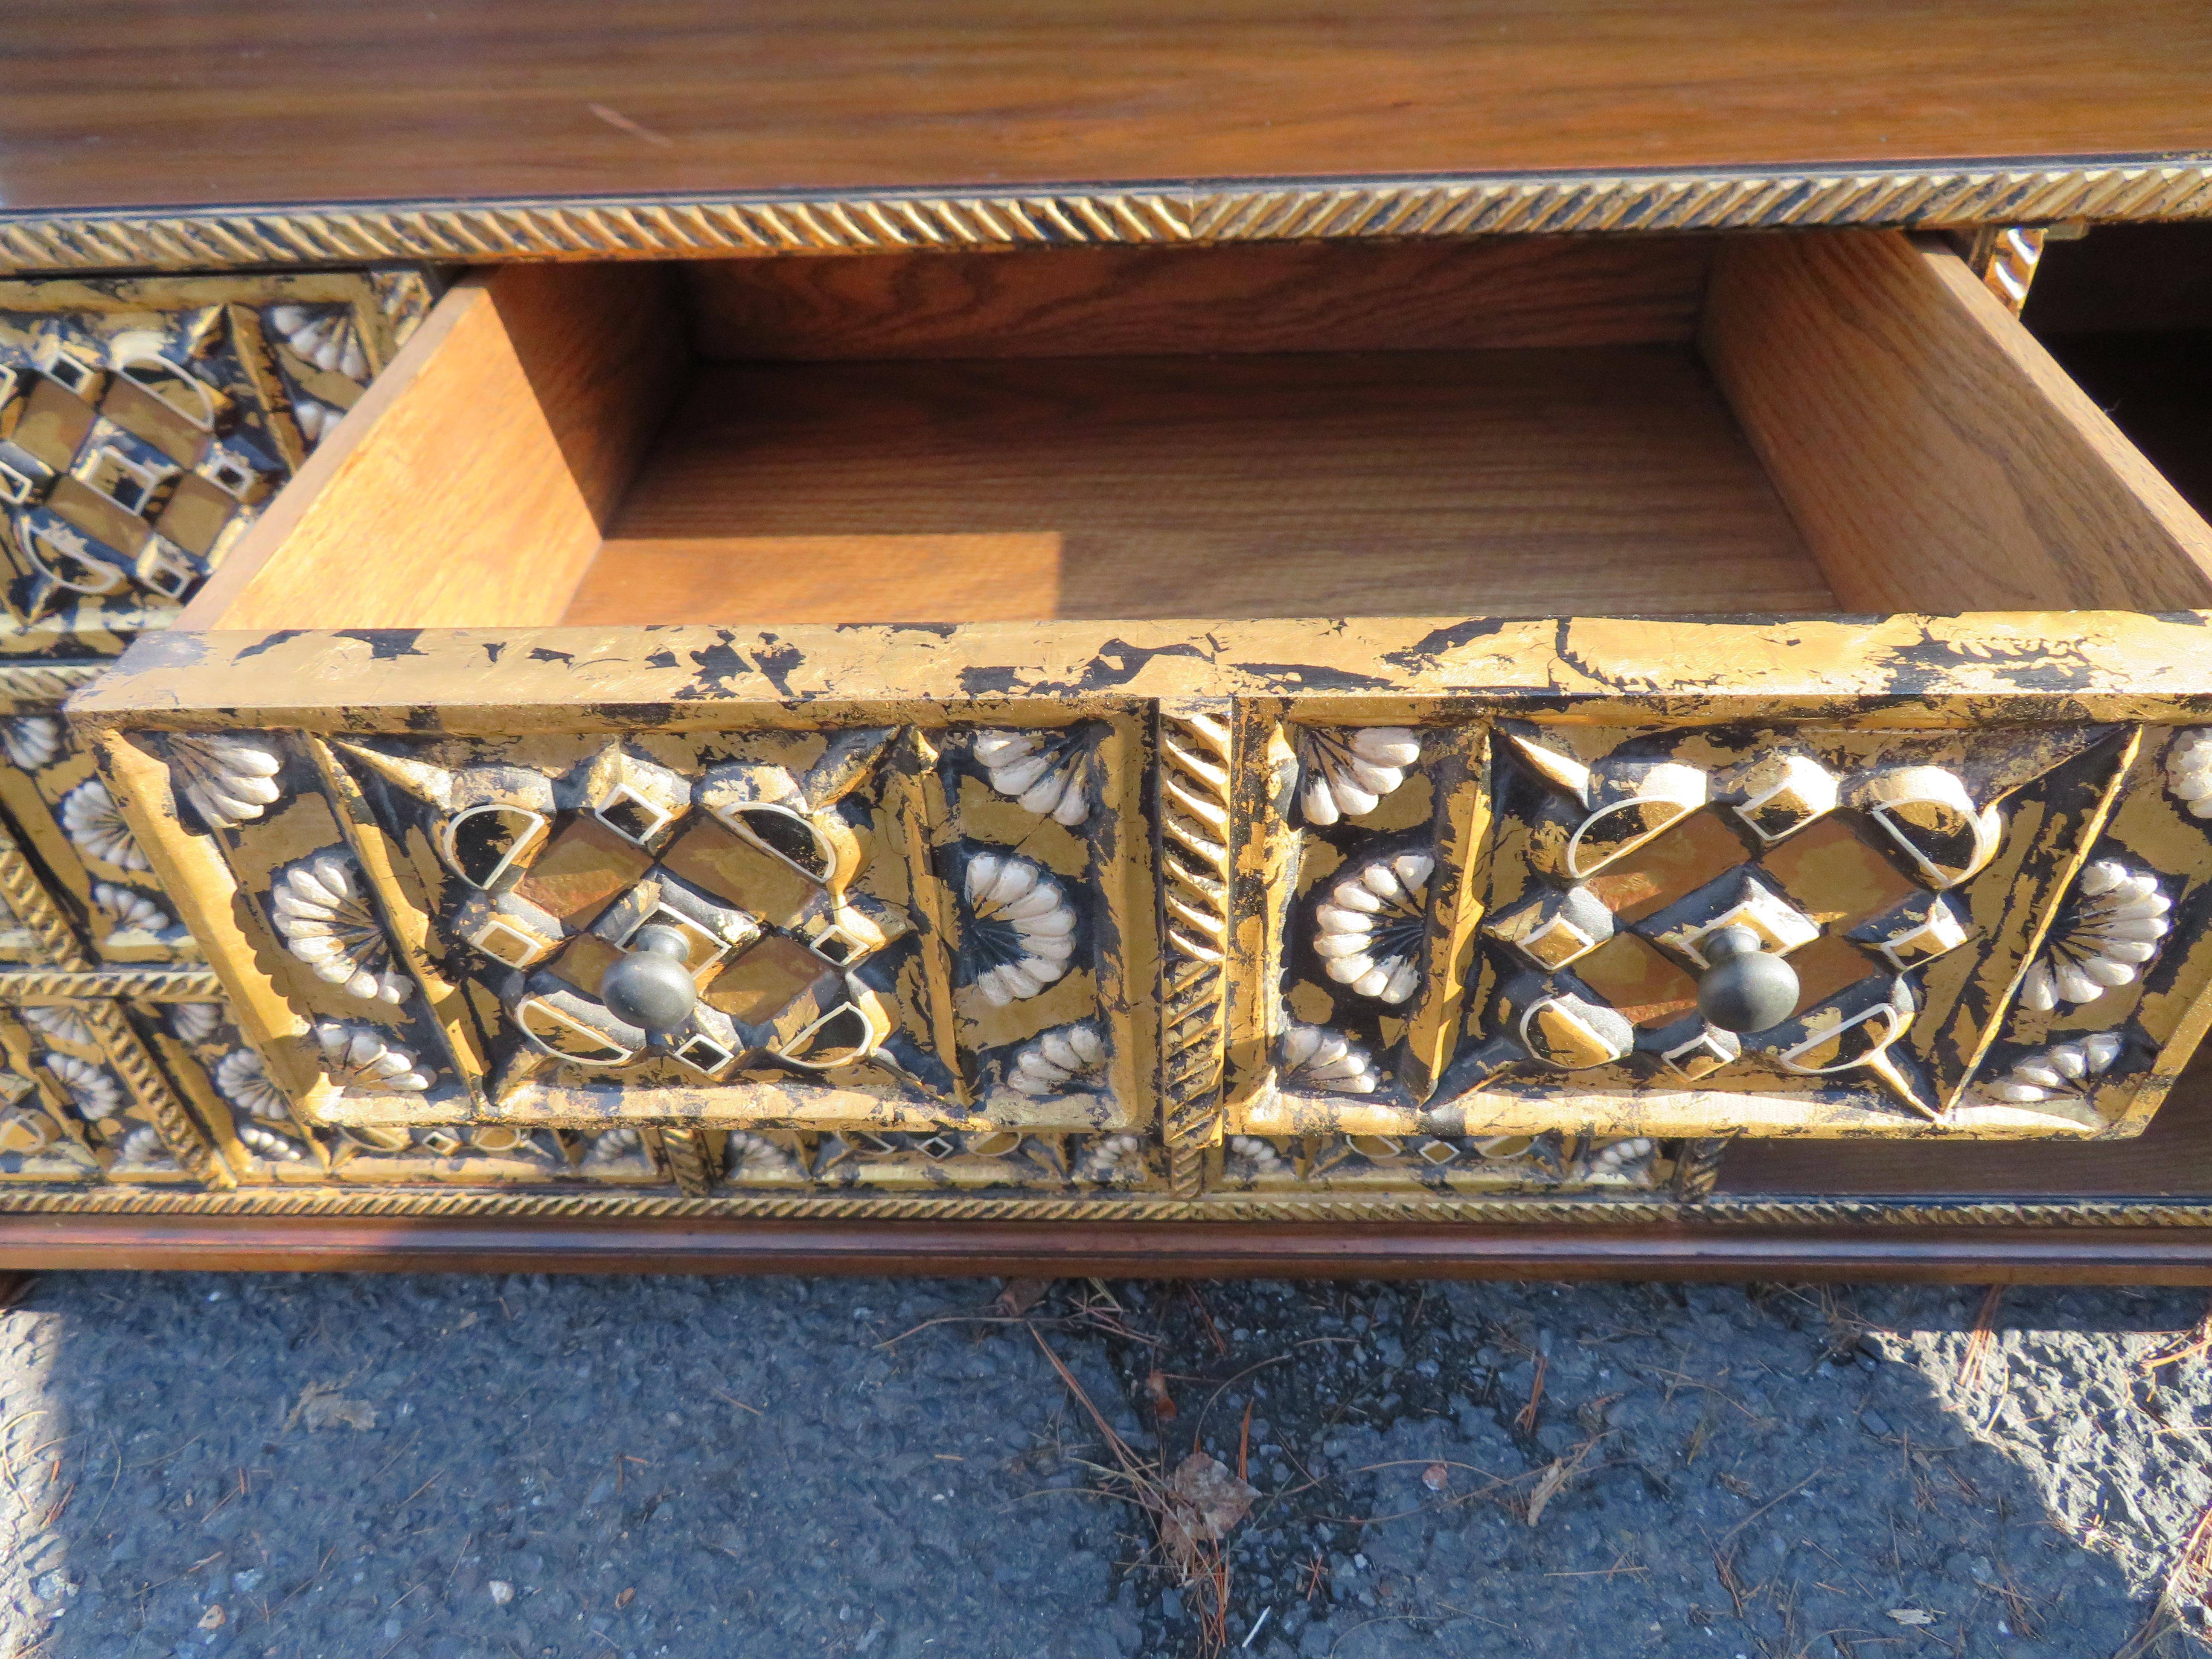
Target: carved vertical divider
1698,1168
919,792
685,1146
2035,874
1196,754
1458,766
26,896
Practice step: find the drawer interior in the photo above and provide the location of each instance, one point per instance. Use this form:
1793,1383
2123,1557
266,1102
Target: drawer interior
1514,428
2127,310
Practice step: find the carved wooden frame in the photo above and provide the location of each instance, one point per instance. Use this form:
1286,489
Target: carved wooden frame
1210,721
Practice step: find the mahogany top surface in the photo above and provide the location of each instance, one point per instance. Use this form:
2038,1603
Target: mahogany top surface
242,102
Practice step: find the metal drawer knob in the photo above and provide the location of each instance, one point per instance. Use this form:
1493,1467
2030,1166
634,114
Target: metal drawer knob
1746,989
651,988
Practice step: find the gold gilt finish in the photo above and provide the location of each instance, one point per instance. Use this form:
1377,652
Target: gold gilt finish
1718,198
144,424
1378,912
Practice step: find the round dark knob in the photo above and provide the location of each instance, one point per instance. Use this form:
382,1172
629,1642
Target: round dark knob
1745,989
651,988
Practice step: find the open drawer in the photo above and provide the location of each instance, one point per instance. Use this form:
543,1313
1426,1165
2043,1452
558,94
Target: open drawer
1121,700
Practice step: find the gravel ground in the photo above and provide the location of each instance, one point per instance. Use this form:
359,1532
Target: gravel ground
558,1468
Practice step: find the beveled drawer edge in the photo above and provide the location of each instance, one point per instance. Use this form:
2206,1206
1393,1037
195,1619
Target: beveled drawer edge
2046,190
2067,664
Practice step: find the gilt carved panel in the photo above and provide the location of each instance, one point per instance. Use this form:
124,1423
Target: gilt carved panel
145,422
1502,925
1256,932
924,934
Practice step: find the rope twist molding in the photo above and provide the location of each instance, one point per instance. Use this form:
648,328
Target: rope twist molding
725,226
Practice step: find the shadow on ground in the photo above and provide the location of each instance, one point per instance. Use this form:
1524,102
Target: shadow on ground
552,1469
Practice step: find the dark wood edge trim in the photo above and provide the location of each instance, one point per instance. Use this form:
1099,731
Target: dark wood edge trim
1974,1255
2011,191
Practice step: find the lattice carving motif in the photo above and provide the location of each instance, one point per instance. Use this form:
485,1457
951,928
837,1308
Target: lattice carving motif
144,424
1175,947
883,927
1925,914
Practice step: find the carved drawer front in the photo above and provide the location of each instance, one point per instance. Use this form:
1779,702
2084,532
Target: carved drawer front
1502,925
1450,912
145,425
907,928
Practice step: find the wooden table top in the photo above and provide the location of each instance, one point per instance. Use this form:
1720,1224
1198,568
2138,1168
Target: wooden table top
122,111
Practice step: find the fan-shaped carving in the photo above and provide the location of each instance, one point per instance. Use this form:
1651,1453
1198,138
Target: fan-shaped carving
1345,773
324,914
1368,932
229,778
1021,929
94,824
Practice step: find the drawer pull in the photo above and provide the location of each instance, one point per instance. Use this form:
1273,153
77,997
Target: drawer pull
1745,989
651,988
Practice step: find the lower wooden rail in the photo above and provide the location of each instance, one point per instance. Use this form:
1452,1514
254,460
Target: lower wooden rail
1977,1255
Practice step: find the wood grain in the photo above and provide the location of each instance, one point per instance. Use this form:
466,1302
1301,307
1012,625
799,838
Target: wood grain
248,101
472,482
1089,302
2173,1157
1499,483
2081,1254
1013,576
1933,454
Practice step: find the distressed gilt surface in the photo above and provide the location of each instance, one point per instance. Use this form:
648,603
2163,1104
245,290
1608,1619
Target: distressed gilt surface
144,423
1236,916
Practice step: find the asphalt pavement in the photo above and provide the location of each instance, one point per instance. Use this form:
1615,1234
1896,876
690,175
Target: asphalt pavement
558,1468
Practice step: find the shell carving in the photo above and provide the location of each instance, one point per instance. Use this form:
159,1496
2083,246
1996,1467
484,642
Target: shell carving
618,1149
143,1149
315,419
1116,1159
267,1143
749,1157
2110,930
56,1022
358,1057
1021,930
134,912
1041,771
2062,1076
1316,1058
1369,930
323,911
92,1089
328,339
1246,1158
194,1022
244,1081
1345,773
228,780
1622,1157
94,824
32,741
2189,771
1071,1056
